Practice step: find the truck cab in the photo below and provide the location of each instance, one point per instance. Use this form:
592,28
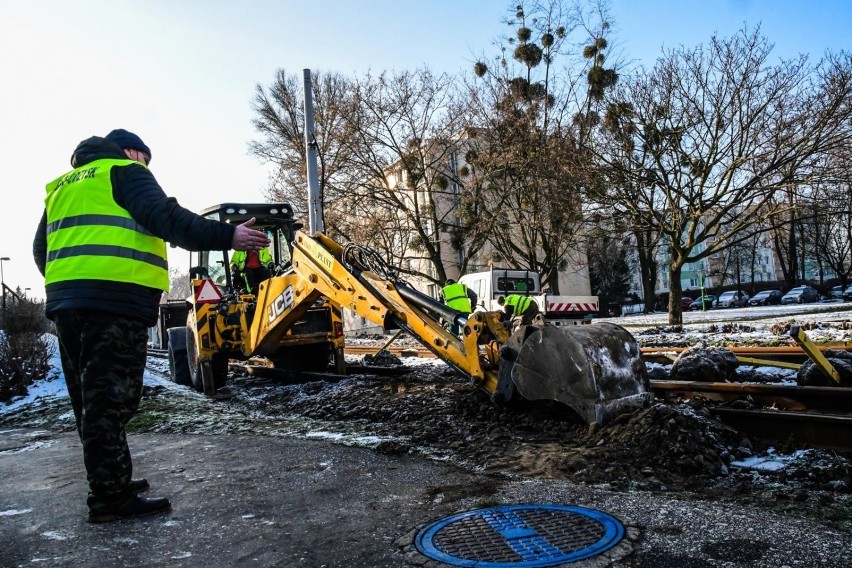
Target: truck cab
489,286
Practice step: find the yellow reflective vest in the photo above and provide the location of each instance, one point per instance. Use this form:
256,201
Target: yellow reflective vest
239,258
519,303
455,296
90,237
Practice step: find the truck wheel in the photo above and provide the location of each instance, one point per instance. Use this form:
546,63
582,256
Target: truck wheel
207,376
178,359
304,358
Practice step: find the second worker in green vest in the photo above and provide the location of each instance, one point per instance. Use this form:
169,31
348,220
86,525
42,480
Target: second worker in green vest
519,307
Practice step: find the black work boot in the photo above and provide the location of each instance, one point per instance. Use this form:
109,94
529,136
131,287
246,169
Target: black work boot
138,486
136,507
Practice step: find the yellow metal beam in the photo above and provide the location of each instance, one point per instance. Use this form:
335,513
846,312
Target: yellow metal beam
813,352
391,340
768,363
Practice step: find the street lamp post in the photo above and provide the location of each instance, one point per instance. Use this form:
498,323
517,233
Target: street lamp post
701,274
3,284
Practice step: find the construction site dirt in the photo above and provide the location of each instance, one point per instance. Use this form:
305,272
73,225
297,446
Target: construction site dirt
345,472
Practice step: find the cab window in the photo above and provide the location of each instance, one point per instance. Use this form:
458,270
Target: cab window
515,285
214,262
283,249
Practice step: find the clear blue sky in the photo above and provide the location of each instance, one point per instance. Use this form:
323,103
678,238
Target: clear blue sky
182,74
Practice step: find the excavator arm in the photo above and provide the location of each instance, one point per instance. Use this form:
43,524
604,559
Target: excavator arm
598,373
318,271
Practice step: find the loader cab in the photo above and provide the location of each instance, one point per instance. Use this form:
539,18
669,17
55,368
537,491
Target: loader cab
274,218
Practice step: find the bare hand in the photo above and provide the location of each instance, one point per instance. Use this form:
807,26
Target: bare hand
246,238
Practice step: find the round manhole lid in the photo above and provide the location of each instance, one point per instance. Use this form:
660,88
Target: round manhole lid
512,536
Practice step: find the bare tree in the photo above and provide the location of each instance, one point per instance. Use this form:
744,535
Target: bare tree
386,146
532,118
609,266
405,134
829,225
280,124
717,132
179,288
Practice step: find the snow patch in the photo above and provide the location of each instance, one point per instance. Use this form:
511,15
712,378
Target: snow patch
56,535
13,512
771,462
28,448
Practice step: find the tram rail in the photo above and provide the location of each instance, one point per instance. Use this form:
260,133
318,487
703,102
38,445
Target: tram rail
815,416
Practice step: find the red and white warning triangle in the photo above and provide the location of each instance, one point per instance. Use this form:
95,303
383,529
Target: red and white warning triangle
207,293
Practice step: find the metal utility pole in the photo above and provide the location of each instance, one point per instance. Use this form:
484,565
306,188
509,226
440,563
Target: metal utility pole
315,221
3,284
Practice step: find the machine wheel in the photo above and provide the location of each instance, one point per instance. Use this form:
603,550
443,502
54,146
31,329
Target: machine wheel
207,376
304,358
178,359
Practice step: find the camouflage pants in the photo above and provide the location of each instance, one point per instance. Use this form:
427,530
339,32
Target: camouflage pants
103,359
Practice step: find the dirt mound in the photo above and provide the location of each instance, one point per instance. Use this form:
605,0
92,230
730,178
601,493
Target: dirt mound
811,375
710,364
443,415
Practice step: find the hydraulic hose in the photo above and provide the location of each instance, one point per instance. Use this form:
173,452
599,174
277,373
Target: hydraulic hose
421,300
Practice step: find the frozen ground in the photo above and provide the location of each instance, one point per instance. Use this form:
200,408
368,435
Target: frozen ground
429,410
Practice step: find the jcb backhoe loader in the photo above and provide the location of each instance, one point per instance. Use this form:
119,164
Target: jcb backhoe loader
294,320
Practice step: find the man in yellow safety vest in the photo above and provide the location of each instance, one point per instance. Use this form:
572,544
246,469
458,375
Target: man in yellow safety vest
521,309
458,297
101,246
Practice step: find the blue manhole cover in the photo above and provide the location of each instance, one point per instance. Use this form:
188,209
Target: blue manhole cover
512,536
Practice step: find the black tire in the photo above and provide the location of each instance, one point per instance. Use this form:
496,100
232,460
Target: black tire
214,372
178,359
304,358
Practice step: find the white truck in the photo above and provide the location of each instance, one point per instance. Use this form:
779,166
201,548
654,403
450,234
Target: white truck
559,310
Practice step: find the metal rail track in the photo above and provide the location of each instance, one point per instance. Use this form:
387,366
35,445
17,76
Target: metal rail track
812,416
816,416
664,354
791,353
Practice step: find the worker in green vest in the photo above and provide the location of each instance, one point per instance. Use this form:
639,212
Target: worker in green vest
520,309
458,297
101,246
252,267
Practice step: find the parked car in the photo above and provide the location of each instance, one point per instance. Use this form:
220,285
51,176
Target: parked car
836,293
705,302
766,298
800,295
685,302
847,293
732,299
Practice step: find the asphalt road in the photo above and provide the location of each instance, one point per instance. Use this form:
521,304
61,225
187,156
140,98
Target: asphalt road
242,500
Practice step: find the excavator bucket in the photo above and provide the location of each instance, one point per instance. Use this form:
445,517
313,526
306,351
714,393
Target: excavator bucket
596,370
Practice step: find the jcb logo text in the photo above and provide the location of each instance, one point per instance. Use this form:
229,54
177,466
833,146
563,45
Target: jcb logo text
280,304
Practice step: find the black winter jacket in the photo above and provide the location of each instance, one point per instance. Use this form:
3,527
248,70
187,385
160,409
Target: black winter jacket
136,190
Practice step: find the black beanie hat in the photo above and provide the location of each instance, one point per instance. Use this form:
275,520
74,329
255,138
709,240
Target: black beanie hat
127,141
